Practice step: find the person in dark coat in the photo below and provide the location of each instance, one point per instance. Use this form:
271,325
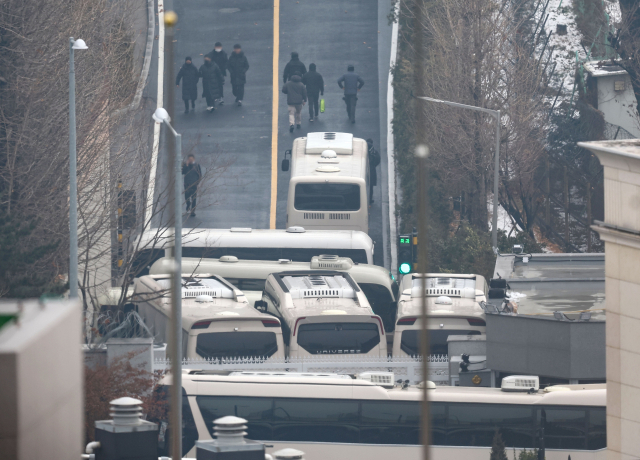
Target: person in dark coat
296,98
351,83
238,66
315,87
374,161
192,174
189,75
293,66
212,79
219,56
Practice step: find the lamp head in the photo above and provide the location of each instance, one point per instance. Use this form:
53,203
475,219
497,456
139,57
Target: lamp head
161,115
79,44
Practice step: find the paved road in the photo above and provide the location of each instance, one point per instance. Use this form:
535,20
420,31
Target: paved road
332,34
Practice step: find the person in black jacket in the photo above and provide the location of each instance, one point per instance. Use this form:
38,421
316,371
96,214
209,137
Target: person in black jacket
296,98
351,83
374,161
192,174
189,75
315,87
212,79
238,66
293,66
219,56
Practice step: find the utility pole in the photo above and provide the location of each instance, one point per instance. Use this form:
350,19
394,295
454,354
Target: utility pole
588,217
566,208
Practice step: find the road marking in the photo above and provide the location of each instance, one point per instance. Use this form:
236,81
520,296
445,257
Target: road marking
156,126
274,114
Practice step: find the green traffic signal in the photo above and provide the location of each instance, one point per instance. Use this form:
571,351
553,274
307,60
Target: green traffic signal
404,268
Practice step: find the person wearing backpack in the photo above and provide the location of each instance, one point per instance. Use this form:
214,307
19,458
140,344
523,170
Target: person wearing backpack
374,161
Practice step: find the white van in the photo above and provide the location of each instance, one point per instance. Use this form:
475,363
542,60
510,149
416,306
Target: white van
294,243
453,306
322,313
377,283
329,182
217,320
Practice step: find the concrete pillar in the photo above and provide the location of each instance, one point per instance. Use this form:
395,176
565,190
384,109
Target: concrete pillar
621,233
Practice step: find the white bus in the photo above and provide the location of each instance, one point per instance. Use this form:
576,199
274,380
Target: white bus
329,182
294,243
323,312
217,320
377,283
453,305
343,418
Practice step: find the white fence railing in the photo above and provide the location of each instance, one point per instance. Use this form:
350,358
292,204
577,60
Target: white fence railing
403,368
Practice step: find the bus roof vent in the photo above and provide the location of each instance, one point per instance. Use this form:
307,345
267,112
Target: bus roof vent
318,286
384,379
228,259
329,154
341,143
330,262
521,383
333,312
230,430
204,298
296,229
240,229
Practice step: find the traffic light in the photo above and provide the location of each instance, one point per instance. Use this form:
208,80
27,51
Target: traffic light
405,254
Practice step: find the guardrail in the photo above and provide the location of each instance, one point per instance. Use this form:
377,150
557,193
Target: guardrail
405,368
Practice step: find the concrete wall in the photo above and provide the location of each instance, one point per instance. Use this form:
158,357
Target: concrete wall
41,382
619,107
621,233
547,347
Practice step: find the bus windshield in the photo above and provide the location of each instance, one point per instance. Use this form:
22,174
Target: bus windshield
338,338
236,344
327,197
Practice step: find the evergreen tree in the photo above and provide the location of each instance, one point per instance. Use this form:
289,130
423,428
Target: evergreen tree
498,451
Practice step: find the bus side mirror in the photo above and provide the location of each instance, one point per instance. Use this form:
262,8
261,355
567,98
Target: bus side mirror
260,305
285,162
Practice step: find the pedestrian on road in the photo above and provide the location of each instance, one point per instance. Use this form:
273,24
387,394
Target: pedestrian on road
293,66
212,79
351,83
315,87
238,66
374,161
296,98
189,75
192,174
219,56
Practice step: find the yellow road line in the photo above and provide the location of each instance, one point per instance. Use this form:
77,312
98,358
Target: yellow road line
274,114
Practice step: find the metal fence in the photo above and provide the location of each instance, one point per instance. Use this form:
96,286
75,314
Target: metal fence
403,368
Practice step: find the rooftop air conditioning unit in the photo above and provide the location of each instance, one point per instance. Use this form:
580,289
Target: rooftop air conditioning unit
521,383
384,379
330,262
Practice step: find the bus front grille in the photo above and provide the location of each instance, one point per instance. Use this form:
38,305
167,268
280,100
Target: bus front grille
339,216
314,215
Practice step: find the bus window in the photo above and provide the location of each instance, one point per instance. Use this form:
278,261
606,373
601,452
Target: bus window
142,261
189,429
338,338
327,197
394,422
382,303
236,344
476,424
320,420
564,428
438,345
597,429
257,411
247,284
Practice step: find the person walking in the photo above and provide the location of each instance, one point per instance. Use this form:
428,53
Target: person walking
212,79
192,174
296,98
374,161
293,66
219,56
351,83
314,83
189,75
238,66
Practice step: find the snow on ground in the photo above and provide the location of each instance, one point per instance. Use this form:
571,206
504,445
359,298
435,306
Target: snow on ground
504,221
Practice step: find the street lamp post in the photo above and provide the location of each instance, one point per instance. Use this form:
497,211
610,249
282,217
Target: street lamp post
162,116
73,180
496,162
